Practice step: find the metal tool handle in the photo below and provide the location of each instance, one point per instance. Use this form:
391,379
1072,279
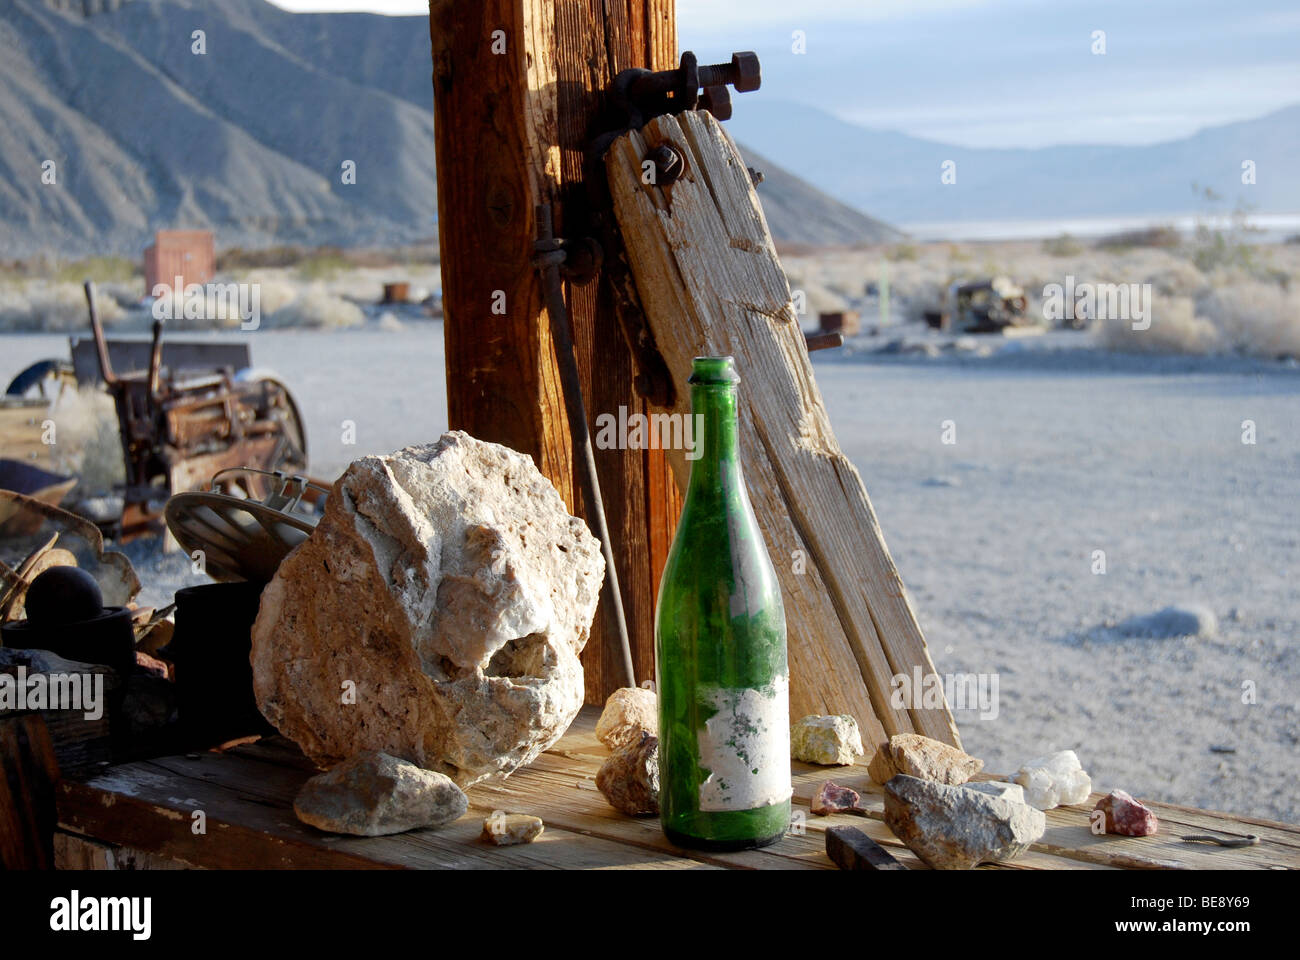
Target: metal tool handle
549,257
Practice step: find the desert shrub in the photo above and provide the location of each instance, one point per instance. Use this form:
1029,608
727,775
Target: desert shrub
99,269
42,306
316,308
1175,277
1255,318
322,264
88,444
275,294
1214,249
1062,246
1175,328
237,258
903,251
1161,237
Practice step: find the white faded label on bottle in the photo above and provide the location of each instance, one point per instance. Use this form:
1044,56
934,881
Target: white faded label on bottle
745,746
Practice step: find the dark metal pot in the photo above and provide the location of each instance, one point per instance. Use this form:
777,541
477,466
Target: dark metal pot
210,649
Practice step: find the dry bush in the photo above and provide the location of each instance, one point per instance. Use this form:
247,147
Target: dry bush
1175,328
1166,237
39,305
1062,246
87,442
1259,319
318,309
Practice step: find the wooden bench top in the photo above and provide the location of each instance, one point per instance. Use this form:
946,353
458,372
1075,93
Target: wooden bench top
245,792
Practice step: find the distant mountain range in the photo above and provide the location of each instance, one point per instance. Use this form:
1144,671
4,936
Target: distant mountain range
250,136
898,177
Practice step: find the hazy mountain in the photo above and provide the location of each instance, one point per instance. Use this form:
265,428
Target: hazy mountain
897,176
249,137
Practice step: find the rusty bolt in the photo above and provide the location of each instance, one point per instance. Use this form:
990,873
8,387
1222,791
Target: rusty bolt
743,73
669,165
683,84
717,100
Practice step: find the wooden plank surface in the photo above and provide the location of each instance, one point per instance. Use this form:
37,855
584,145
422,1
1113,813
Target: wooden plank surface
711,283
21,431
146,810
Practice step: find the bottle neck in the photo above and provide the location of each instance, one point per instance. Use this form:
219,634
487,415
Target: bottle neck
717,435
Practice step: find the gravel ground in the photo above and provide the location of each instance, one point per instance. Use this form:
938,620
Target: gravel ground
1059,452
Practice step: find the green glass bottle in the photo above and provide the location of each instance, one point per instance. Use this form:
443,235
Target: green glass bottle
720,655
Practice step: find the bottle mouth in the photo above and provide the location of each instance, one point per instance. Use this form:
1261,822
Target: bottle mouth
716,371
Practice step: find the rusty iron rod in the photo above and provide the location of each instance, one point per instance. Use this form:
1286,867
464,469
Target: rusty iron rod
548,261
97,328
823,341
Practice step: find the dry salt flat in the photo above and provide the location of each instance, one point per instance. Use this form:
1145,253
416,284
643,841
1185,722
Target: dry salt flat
1058,453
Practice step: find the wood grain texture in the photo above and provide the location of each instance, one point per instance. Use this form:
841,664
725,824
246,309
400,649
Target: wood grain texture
511,132
711,283
29,772
595,39
497,158
144,811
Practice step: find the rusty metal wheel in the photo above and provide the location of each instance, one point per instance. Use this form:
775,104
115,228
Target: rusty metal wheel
242,538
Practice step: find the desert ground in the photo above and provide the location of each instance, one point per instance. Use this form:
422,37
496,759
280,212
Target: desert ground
1066,444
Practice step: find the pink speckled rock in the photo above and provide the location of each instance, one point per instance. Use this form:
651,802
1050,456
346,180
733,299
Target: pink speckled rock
1127,816
832,798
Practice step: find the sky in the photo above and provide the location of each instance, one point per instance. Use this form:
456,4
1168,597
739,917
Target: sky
981,73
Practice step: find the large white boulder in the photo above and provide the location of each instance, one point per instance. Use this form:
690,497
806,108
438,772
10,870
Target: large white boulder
436,614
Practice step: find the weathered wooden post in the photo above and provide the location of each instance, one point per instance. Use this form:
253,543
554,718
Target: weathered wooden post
517,92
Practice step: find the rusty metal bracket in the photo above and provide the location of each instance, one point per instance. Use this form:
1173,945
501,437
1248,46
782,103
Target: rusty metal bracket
637,96
634,98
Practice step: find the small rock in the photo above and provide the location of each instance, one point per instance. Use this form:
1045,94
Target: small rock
956,827
373,794
924,758
826,740
630,778
629,712
508,829
1055,779
832,798
1127,816
1000,788
1189,621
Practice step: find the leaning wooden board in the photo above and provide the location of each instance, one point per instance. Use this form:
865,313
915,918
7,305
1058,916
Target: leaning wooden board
710,282
141,815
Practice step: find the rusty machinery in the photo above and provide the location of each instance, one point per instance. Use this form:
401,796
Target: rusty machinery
985,306
181,427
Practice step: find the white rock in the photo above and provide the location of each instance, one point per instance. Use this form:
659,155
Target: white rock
826,740
374,794
629,712
436,614
1055,779
999,788
511,829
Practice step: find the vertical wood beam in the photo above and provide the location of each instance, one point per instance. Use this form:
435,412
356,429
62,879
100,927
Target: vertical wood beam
511,131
